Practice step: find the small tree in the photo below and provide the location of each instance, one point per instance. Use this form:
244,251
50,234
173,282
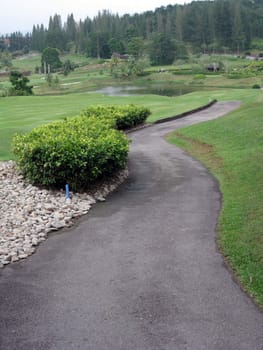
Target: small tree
135,47
116,46
50,60
162,50
51,80
128,67
19,84
68,67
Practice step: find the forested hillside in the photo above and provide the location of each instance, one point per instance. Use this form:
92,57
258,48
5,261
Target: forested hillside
207,26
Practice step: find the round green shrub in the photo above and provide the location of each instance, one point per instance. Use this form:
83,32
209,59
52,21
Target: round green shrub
199,76
78,151
123,117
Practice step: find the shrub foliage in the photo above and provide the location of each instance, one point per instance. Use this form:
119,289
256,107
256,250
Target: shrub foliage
20,85
122,117
78,151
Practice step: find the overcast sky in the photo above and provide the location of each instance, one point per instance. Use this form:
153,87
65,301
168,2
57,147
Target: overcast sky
21,15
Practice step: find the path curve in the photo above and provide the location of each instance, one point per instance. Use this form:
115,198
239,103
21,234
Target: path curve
140,272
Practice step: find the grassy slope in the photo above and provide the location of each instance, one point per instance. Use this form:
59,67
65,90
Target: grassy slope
234,154
32,60
232,148
20,114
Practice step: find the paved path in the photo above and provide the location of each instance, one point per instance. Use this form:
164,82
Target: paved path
140,272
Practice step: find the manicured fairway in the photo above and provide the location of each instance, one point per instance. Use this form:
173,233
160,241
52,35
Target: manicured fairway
20,114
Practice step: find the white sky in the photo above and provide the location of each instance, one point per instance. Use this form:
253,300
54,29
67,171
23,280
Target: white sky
21,15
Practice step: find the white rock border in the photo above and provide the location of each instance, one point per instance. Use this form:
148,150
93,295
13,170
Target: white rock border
29,213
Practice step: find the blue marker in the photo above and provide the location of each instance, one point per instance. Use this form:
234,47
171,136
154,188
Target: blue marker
67,192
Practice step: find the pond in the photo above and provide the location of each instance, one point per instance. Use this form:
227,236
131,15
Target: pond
163,90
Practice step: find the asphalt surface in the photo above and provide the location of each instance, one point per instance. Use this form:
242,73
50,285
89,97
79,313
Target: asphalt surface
140,272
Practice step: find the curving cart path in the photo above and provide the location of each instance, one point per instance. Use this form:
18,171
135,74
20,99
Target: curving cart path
140,272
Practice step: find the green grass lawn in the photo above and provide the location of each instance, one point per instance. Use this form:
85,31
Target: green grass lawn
232,148
21,114
31,61
27,62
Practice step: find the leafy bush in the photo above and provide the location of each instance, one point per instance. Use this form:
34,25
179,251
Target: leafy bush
240,74
77,151
255,67
256,86
199,76
20,85
122,117
251,69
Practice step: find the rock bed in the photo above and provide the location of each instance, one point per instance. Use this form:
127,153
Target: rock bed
29,213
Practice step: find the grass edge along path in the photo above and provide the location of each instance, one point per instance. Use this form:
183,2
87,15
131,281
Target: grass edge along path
231,148
20,114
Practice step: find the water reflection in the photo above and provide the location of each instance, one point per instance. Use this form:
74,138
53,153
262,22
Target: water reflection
120,90
139,90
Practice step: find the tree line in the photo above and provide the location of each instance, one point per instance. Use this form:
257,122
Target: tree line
171,31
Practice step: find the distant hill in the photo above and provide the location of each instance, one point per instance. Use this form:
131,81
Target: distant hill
201,26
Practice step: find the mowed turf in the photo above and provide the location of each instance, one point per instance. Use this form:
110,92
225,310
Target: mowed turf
21,114
232,148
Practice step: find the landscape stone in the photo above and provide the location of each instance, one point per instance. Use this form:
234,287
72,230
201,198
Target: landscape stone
28,213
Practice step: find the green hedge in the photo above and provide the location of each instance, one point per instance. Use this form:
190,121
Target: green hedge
77,151
124,117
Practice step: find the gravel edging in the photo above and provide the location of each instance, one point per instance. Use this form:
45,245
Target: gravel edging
29,214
